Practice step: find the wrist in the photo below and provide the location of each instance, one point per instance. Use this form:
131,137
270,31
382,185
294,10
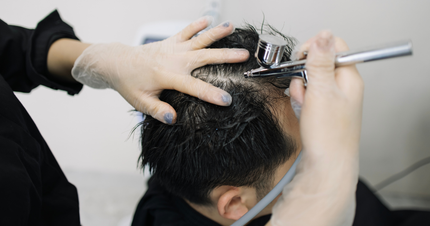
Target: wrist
329,169
62,56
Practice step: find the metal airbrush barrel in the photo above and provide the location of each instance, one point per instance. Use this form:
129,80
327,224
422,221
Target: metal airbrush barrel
397,49
295,68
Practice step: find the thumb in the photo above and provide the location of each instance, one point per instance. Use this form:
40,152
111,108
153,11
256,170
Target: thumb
320,61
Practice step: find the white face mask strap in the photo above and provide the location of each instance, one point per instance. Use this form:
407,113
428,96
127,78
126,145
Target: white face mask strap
270,196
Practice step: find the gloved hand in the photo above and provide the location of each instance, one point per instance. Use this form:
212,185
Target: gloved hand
140,73
323,191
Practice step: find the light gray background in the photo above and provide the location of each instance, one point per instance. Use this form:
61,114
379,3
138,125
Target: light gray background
89,133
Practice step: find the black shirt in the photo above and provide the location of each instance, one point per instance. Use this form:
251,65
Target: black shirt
33,189
159,208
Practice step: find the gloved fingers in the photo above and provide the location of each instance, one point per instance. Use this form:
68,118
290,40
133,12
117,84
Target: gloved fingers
320,60
216,56
193,28
299,54
200,89
297,95
151,105
347,77
212,35
340,46
350,82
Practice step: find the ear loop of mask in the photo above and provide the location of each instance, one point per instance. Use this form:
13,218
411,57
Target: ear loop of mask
270,196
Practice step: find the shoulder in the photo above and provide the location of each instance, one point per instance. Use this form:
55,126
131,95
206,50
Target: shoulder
157,207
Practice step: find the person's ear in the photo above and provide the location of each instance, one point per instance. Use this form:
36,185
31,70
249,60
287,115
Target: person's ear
231,204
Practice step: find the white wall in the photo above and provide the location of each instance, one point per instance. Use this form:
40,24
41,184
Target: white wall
90,131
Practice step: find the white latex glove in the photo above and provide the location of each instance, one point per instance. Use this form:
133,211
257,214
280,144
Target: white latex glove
323,191
140,73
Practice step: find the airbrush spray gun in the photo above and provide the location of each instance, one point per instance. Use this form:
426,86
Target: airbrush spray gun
269,53
270,49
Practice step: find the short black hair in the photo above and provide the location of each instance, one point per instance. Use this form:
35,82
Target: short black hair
210,146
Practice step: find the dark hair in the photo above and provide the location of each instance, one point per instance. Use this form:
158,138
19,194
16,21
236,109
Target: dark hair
210,146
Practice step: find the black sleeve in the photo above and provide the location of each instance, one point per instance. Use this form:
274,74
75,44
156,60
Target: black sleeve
24,52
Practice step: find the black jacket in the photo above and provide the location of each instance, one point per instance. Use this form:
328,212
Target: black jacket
159,208
33,189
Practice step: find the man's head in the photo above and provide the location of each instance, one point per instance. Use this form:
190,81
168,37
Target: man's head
219,158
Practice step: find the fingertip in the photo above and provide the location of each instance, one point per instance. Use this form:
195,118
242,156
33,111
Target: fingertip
209,20
325,40
340,45
204,21
233,28
165,114
217,96
226,98
228,26
202,90
212,35
169,114
244,54
297,90
287,92
168,118
326,34
195,27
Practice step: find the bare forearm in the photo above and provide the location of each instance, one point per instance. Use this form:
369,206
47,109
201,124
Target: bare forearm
62,56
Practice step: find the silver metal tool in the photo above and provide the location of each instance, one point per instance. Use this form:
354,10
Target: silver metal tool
270,49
